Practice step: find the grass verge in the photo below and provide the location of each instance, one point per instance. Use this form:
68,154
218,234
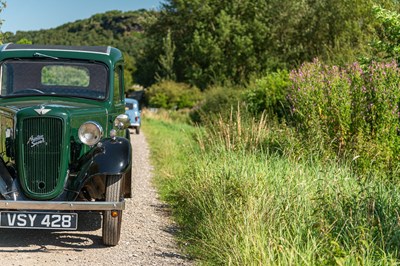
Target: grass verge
244,206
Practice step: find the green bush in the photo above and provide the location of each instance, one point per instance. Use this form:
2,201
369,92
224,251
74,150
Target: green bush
172,95
269,94
217,101
388,44
352,111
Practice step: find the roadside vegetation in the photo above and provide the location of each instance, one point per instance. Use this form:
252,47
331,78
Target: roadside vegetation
298,167
245,194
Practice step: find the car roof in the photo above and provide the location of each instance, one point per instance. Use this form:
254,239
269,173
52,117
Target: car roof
130,100
107,54
33,47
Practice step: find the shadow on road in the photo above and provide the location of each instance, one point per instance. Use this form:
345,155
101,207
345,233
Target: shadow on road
84,238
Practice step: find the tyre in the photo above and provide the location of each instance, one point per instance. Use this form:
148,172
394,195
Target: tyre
137,130
112,225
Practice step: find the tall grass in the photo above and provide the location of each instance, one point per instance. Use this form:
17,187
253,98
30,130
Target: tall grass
353,110
241,202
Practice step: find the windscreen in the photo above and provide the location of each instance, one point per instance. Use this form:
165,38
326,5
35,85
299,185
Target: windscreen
57,78
128,106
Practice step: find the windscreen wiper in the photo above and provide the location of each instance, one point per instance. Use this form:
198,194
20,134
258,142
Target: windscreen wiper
45,56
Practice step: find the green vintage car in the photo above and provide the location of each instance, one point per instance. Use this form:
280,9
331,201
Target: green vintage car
64,141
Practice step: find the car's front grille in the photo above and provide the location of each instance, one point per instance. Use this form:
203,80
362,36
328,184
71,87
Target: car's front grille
42,153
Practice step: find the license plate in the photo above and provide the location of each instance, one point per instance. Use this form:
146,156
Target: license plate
39,220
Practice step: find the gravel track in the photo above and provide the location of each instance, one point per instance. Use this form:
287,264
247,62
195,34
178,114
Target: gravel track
147,236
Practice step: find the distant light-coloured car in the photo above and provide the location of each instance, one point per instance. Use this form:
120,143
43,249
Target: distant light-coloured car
132,110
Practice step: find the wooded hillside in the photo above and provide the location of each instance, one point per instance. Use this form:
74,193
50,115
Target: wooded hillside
120,29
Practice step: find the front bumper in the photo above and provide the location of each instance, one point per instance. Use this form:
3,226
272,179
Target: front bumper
61,205
135,124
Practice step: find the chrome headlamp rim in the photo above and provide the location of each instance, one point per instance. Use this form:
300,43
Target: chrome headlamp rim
97,135
122,121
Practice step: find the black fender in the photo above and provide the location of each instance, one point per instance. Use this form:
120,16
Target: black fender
115,158
108,157
7,189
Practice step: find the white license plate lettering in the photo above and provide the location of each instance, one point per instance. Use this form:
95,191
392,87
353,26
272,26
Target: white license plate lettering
56,221
46,221
22,219
32,218
66,221
11,219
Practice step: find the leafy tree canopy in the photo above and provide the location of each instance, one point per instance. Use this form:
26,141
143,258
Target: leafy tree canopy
387,43
219,42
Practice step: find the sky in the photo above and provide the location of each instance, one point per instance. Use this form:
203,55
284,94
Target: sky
25,15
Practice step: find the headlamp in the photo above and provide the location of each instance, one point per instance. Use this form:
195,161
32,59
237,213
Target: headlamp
90,133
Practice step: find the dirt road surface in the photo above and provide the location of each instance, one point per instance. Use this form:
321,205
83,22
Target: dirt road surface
146,238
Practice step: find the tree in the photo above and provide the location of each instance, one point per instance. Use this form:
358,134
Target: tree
24,41
222,42
215,40
129,69
3,4
166,60
387,45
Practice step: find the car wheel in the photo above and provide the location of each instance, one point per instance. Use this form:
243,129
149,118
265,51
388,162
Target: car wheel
112,225
137,130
